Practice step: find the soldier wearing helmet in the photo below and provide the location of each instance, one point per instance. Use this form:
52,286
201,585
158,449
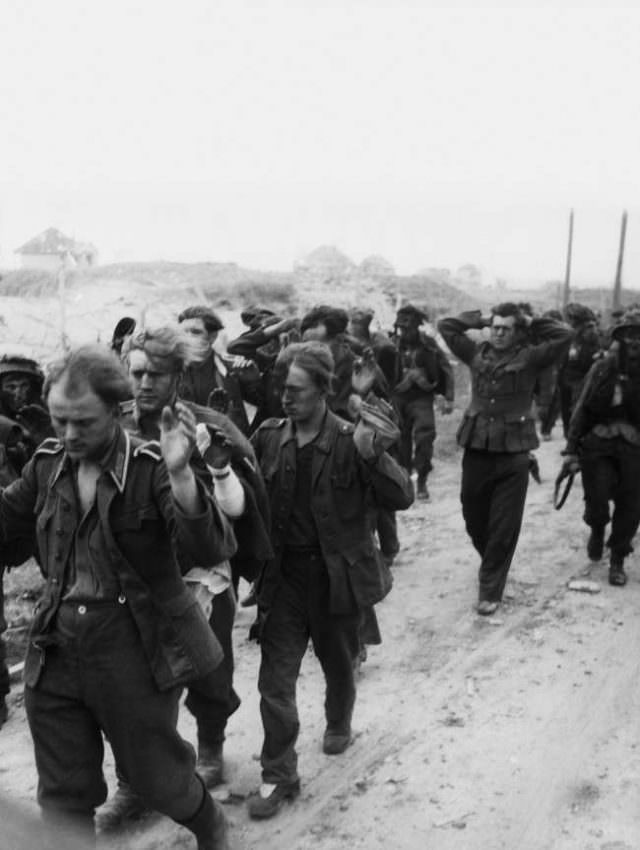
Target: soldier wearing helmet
604,443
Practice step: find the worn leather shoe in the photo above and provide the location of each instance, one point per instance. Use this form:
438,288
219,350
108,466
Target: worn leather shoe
122,810
486,607
617,575
335,741
270,799
595,544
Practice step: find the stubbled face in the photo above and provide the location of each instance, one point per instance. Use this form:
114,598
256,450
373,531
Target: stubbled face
301,398
83,422
503,332
16,389
153,386
200,336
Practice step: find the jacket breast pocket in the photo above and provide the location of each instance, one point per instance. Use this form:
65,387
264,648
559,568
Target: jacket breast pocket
142,521
346,494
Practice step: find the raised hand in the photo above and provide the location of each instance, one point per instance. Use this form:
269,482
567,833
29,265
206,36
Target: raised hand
177,437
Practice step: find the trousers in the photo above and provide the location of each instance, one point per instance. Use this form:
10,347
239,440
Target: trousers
611,473
300,611
96,679
212,699
417,433
494,490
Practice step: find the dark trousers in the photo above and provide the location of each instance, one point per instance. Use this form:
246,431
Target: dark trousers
611,472
301,610
212,699
4,670
494,489
97,680
417,428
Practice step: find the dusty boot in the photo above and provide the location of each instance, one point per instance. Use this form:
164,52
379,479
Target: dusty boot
210,765
250,599
4,712
122,810
617,575
209,825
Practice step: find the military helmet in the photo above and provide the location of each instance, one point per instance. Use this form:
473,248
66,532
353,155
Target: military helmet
18,364
629,319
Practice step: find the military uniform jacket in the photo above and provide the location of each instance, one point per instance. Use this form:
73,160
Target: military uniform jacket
344,489
252,528
143,526
499,417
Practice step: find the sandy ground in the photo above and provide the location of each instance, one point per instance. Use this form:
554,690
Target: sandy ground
517,731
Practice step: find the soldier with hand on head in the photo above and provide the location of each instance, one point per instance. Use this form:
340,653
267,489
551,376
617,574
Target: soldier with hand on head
423,371
498,430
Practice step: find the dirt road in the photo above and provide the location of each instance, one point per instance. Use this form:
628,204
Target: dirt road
518,732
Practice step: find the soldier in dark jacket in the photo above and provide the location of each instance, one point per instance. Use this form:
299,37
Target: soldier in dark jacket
423,371
498,430
324,476
572,369
212,380
116,632
604,442
156,359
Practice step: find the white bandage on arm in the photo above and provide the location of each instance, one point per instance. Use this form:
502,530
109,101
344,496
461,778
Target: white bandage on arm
228,491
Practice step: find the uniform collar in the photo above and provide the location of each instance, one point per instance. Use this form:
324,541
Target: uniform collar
323,440
115,460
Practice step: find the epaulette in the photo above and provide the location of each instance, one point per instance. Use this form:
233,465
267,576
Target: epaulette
273,423
50,446
150,448
127,406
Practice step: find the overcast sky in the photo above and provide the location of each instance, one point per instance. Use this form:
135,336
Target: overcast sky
253,133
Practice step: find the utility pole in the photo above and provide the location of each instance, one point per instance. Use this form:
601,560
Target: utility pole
567,274
617,286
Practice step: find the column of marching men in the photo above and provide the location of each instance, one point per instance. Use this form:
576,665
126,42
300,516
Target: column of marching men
150,475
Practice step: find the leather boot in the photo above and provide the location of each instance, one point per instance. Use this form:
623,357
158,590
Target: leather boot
122,810
4,712
617,575
209,825
210,765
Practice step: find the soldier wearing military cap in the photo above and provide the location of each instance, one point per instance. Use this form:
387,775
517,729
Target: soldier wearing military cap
422,372
604,443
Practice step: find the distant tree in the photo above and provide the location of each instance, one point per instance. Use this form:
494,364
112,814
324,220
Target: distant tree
326,260
376,266
469,275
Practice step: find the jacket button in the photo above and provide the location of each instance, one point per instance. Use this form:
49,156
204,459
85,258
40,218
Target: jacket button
493,401
58,556
60,532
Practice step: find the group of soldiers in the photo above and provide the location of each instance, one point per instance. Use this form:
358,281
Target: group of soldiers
149,476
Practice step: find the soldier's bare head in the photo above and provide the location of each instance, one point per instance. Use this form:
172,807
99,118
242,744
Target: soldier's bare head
306,370
83,391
